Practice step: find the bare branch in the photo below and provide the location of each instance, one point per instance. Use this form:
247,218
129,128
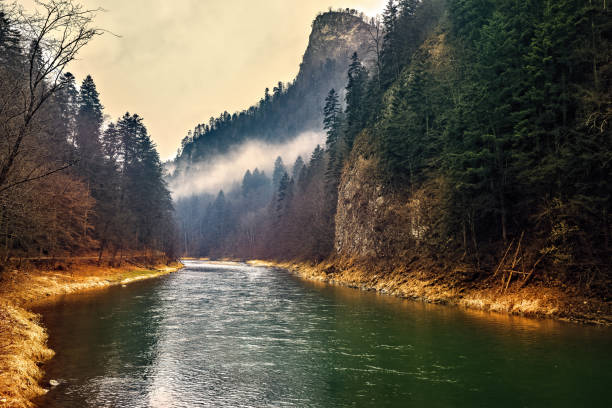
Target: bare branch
54,33
29,179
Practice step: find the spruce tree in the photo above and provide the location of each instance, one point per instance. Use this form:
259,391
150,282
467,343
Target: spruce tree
390,58
88,127
298,166
279,171
355,97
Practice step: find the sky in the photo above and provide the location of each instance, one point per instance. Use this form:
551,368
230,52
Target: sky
178,62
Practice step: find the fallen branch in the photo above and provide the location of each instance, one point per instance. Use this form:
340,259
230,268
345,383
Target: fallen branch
530,274
503,258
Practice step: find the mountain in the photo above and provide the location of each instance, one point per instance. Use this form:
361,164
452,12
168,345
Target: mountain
289,109
469,164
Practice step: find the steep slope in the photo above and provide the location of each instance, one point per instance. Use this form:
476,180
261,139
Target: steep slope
290,109
335,36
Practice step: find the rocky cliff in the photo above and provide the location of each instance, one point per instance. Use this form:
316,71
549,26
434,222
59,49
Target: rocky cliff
291,109
372,221
334,38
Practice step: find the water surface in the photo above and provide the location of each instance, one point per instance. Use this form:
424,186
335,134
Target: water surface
217,335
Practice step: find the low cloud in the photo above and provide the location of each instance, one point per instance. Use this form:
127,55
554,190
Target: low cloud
222,172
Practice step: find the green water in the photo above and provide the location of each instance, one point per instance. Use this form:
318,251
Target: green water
240,336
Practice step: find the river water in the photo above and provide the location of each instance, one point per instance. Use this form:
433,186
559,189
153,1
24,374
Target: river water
232,335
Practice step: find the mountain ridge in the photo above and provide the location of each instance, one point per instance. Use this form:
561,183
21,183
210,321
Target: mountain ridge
289,109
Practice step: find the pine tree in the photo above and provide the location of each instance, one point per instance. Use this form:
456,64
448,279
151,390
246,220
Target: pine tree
355,97
334,149
390,57
67,99
283,196
298,166
10,48
218,218
88,126
331,119
407,138
247,181
407,31
279,171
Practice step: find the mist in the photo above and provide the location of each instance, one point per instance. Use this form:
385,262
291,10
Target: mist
223,171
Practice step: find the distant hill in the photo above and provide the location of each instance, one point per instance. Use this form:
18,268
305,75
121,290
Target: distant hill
288,109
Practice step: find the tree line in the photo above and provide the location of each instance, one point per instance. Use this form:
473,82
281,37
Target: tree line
282,113
493,113
284,110
69,185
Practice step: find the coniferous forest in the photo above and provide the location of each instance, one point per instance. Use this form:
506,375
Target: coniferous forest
458,132
68,187
475,130
456,152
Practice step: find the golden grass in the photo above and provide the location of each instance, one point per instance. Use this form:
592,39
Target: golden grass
23,343
532,301
23,339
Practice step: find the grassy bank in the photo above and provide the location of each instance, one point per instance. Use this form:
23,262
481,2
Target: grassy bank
23,339
534,300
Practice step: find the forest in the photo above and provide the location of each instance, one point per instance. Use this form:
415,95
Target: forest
463,170
70,184
458,131
482,129
287,109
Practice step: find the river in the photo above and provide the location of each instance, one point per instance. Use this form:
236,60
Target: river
233,335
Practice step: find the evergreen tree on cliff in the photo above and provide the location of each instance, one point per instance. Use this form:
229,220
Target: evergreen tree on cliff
355,96
331,120
390,58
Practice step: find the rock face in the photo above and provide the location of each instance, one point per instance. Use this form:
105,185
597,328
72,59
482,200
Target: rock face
360,204
334,38
373,224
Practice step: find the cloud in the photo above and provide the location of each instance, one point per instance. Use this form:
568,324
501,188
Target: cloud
177,63
221,172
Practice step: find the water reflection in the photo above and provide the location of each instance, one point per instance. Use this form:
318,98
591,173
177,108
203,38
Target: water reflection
235,335
106,337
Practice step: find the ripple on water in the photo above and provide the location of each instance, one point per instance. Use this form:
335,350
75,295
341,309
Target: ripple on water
230,335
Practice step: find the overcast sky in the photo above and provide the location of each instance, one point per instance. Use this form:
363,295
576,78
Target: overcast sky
178,62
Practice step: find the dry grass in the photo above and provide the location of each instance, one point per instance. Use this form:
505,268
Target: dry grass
23,346
536,300
22,338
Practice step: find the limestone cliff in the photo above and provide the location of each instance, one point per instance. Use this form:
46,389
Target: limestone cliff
280,116
371,221
334,38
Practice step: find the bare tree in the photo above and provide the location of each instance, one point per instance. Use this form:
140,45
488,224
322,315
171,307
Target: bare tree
375,43
55,32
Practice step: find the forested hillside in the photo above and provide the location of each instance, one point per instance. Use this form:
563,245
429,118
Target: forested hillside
476,144
68,184
288,109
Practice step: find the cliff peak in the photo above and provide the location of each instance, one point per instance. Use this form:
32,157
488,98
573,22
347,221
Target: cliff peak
336,35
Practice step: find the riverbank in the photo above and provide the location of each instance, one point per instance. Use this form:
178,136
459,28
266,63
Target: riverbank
534,300
23,340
